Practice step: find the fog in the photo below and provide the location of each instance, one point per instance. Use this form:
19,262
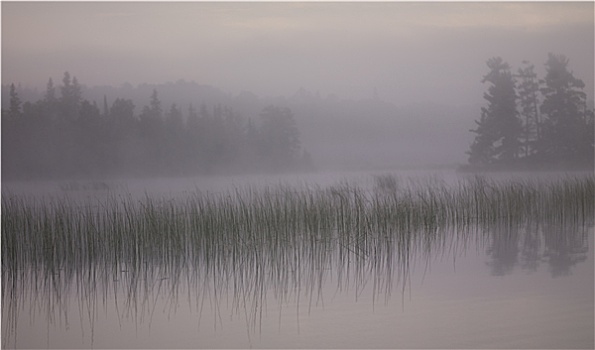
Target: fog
369,85
302,174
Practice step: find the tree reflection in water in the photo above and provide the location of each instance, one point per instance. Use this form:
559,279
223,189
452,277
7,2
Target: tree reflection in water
561,245
247,249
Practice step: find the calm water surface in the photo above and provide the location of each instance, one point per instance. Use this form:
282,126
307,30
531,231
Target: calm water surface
139,188
509,286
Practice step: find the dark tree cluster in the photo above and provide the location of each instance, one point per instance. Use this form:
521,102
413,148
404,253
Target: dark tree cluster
533,123
64,135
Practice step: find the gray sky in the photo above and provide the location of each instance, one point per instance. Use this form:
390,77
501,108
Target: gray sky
410,52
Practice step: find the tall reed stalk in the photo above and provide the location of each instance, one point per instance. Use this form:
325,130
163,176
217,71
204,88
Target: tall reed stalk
278,239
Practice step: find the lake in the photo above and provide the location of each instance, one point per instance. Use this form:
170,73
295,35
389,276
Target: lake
326,269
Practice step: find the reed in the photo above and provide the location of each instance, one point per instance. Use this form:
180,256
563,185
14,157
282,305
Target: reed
56,234
283,237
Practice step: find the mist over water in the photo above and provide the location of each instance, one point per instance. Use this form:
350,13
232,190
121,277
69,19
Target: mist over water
304,175
402,91
255,265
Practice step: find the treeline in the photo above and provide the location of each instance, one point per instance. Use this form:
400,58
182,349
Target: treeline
532,123
65,135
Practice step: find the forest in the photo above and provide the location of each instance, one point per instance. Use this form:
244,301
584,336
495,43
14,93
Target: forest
526,123
69,136
532,123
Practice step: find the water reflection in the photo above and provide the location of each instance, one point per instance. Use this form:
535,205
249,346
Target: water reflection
146,261
247,283
564,248
560,246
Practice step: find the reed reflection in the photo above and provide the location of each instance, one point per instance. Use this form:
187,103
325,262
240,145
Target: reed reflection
247,248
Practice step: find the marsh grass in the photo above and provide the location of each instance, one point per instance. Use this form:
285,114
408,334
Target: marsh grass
250,242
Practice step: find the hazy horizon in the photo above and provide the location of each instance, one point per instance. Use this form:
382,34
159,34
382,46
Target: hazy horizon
395,84
297,174
402,53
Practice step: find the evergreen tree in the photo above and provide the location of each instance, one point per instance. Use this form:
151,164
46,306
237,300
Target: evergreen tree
152,113
105,107
529,108
192,122
122,110
499,127
233,134
567,130
69,136
279,137
50,102
193,140
14,103
89,111
153,136
71,97
90,139
481,151
174,119
125,145
155,105
173,142
50,92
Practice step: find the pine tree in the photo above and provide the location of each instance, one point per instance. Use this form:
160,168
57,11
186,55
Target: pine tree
105,107
14,103
528,90
566,134
155,105
71,97
482,151
51,105
50,92
499,128
279,136
152,134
